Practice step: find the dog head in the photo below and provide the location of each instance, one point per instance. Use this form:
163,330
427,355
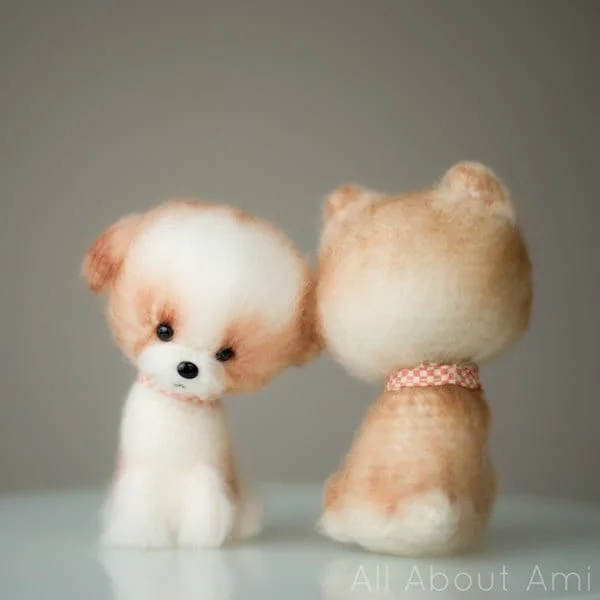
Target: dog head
438,275
204,299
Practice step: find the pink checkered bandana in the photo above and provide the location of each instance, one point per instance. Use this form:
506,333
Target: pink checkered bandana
433,374
181,396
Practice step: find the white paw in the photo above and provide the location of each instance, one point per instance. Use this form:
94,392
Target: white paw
134,515
248,521
207,513
136,535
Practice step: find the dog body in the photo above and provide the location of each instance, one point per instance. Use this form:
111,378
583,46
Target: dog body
420,288
176,482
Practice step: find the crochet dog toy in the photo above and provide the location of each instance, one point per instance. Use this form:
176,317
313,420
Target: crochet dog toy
418,289
203,300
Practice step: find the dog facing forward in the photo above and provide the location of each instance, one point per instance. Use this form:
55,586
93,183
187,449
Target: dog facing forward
204,300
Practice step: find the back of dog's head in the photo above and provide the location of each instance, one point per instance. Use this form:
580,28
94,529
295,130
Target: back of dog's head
440,274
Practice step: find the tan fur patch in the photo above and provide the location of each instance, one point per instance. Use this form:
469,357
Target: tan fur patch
398,236
477,181
414,441
341,197
261,352
136,308
230,472
104,259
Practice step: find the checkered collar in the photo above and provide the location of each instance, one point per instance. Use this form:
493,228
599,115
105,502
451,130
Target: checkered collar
430,374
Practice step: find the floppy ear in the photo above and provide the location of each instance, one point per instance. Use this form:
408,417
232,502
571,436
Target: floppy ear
104,259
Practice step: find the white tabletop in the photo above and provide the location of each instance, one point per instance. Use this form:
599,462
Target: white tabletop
536,549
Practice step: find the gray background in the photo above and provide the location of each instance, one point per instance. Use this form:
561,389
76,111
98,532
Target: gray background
111,107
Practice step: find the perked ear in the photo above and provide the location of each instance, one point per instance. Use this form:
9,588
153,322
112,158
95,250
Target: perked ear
471,182
342,197
104,259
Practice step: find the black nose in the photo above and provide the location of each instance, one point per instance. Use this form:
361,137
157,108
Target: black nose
188,370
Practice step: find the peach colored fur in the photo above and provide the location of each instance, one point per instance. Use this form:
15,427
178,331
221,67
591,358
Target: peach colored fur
438,275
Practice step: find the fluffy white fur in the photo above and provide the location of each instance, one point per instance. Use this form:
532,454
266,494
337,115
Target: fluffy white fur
228,266
159,361
221,270
172,490
427,526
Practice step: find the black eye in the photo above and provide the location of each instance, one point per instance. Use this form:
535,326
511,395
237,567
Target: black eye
225,354
164,332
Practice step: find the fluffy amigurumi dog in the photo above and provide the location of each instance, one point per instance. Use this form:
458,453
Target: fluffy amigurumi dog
419,289
204,300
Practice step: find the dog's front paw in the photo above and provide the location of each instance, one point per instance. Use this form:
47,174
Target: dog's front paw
135,534
134,514
207,512
248,521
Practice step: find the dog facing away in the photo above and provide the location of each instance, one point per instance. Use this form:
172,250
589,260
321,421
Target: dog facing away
420,288
203,300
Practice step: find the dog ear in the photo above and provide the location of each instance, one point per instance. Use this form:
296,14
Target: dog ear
338,200
475,186
104,259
